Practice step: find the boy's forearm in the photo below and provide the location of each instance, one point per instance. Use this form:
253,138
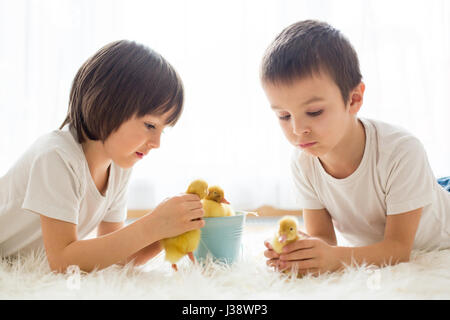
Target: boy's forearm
107,250
145,254
380,254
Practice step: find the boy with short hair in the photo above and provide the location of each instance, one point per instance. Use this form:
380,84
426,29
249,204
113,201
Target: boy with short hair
368,179
74,180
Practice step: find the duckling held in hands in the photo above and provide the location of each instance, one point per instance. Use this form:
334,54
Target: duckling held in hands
215,204
185,243
198,187
287,233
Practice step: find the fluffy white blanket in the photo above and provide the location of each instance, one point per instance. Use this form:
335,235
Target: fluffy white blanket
426,276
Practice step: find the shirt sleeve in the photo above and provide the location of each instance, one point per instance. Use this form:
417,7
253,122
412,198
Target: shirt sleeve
410,181
117,211
53,188
306,195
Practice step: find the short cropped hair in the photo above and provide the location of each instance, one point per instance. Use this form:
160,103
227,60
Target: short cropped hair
123,79
309,47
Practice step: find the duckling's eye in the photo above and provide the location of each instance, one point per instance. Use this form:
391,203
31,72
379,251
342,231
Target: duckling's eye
291,229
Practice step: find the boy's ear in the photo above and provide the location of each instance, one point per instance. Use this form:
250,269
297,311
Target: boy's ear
356,97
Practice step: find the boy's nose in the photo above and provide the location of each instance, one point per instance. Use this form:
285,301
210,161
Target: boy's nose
301,129
154,142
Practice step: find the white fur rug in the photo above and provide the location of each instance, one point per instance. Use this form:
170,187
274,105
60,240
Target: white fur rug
426,276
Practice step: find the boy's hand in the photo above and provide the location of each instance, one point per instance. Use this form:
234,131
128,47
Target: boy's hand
272,255
311,255
177,215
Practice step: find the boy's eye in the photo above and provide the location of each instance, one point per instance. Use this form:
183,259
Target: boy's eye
285,117
149,126
314,114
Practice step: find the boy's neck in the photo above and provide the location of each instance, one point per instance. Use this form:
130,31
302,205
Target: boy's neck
98,163
345,158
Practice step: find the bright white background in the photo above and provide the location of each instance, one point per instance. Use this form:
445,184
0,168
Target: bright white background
227,134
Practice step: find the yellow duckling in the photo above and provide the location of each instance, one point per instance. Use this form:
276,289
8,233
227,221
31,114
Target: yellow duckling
215,204
287,233
185,243
198,187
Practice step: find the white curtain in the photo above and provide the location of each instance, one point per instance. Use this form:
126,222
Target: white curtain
227,134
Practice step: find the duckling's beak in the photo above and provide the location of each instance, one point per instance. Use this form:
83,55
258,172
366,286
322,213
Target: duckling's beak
282,238
224,201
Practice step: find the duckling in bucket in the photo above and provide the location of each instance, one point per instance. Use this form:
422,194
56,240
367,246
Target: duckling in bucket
215,204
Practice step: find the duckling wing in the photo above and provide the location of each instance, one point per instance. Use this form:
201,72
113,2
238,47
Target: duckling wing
172,250
213,209
179,246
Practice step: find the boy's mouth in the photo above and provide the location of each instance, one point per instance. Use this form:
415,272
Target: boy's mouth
306,145
140,155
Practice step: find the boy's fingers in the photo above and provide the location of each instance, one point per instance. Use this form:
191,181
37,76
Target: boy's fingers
271,254
196,214
298,255
298,265
268,245
299,244
272,262
189,197
196,224
307,264
193,205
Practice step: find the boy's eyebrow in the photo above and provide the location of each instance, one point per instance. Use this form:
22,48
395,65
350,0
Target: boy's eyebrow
156,120
312,99
309,101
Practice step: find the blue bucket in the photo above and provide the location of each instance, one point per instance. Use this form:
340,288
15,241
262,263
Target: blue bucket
221,238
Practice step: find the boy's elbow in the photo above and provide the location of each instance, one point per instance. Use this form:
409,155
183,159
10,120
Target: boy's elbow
405,256
399,258
56,265
61,267
400,252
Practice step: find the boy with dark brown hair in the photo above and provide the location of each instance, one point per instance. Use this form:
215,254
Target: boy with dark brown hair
74,180
368,179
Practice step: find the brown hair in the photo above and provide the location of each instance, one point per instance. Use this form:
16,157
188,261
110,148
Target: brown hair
309,47
121,80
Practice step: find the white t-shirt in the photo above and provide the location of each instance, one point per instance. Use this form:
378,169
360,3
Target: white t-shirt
52,178
394,177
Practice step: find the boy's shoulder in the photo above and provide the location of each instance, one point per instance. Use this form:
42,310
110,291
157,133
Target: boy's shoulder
386,141
61,142
62,145
301,160
385,130
389,139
